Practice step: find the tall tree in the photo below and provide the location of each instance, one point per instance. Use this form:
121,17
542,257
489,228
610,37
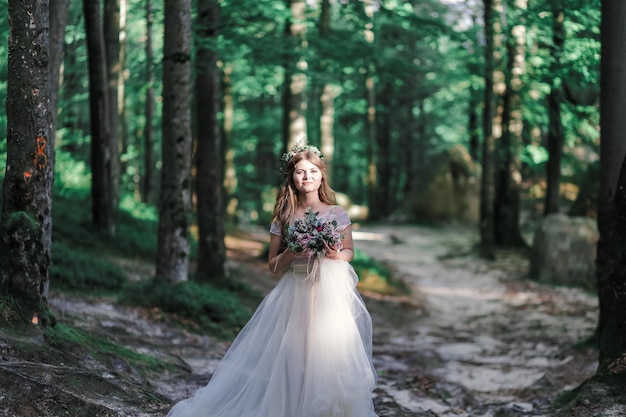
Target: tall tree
148,134
611,254
102,190
175,198
370,122
327,118
508,177
555,130
111,33
58,22
209,150
486,227
230,173
295,101
26,228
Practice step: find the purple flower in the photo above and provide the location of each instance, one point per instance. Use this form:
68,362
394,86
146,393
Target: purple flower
308,235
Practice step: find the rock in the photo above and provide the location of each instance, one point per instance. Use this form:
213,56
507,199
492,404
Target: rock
564,251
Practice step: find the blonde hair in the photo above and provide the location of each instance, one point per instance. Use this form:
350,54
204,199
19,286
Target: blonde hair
287,199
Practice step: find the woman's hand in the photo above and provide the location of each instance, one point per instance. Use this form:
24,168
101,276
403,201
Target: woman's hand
333,251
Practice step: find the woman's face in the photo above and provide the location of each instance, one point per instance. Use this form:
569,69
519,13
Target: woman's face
307,177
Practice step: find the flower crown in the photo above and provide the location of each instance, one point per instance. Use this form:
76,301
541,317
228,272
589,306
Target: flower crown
296,149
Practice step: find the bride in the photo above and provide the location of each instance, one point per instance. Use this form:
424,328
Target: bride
307,350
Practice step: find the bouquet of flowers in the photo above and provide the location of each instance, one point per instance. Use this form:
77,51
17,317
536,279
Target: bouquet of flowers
308,235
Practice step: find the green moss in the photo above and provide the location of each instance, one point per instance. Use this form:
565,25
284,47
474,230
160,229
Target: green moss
66,337
21,219
202,307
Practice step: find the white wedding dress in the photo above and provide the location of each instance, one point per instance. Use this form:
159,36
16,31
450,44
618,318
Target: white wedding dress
306,351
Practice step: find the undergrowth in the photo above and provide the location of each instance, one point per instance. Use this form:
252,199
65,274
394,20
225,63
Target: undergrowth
203,307
376,276
64,337
83,262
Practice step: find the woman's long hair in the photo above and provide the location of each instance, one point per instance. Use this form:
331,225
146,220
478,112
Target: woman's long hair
286,202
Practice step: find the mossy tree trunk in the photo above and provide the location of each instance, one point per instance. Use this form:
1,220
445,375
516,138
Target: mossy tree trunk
26,229
175,198
209,150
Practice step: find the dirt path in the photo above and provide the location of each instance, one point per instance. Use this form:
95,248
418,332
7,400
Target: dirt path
481,340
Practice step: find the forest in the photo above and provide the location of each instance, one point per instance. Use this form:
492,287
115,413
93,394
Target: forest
143,139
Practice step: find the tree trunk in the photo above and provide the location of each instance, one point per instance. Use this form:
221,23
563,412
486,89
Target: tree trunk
230,174
26,228
507,197
101,150
611,254
209,154
327,98
58,22
148,134
295,97
370,121
111,31
385,193
486,226
555,131
175,198
474,125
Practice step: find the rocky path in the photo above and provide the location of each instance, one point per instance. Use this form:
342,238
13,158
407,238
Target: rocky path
479,339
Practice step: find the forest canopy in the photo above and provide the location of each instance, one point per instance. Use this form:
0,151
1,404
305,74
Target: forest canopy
423,60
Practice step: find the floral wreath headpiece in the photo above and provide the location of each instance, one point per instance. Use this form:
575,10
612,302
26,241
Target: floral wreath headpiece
296,149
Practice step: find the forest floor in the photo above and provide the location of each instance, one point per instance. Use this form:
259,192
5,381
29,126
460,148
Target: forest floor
474,338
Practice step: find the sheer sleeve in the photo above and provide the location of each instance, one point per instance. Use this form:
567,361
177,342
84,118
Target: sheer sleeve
342,217
276,229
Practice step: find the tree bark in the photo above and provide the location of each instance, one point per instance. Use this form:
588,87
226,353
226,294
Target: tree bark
611,254
384,201
370,118
26,228
555,131
148,141
58,22
295,95
209,150
102,193
230,174
508,177
175,198
487,238
111,33
327,100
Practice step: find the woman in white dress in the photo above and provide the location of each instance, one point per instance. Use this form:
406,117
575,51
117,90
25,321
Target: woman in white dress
307,350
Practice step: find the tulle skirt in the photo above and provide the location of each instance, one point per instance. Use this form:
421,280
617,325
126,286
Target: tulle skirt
306,352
